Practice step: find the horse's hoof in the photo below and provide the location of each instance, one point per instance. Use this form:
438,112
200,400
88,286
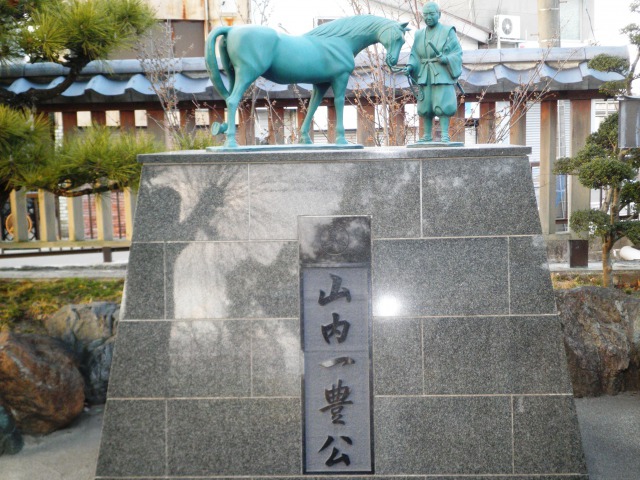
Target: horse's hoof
305,140
218,128
341,141
231,143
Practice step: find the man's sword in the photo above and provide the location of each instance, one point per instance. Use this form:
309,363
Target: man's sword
448,67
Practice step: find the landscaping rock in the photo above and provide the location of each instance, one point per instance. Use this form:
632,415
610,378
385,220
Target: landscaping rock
96,372
89,331
10,439
602,339
41,386
84,327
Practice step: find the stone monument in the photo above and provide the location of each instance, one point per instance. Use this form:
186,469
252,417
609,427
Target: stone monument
386,313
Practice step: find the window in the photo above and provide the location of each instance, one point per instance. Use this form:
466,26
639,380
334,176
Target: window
570,19
602,109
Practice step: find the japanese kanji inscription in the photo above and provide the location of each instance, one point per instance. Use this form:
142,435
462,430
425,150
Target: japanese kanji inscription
335,280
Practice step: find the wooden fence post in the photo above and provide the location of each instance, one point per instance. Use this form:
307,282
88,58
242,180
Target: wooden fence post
20,230
47,216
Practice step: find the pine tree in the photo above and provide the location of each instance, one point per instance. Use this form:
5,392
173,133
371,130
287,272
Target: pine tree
70,33
601,164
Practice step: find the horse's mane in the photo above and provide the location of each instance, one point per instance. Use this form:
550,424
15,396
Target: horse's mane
350,26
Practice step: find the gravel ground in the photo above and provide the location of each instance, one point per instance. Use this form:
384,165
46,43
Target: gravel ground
610,434
610,429
69,454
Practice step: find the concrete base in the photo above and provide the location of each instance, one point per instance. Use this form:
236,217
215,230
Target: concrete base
420,144
284,148
469,374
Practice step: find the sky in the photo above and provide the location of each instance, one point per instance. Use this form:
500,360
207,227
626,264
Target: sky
610,17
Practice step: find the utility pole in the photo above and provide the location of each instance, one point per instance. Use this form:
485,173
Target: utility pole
548,37
549,23
472,11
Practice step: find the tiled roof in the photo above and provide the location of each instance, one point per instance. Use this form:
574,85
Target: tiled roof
493,71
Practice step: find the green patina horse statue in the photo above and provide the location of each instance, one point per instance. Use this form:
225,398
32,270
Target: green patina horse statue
323,57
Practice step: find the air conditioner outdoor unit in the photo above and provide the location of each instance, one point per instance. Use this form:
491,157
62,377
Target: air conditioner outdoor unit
507,26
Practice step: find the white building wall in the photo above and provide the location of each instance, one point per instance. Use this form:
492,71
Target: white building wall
583,21
179,9
201,10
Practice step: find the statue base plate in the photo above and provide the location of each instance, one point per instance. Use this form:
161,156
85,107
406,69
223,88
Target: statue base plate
435,144
284,148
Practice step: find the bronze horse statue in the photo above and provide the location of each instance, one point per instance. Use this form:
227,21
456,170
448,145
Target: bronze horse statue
323,57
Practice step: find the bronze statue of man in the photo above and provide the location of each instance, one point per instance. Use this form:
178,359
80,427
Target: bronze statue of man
435,65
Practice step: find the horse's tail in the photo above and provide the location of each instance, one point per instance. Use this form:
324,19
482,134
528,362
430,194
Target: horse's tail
212,63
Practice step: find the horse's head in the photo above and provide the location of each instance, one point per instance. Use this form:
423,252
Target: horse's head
393,38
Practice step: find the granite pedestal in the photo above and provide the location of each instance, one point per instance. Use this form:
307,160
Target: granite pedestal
468,370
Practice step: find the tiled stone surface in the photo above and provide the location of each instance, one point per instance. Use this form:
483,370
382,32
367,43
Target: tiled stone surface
440,277
224,360
477,197
207,358
139,367
547,436
133,439
389,191
379,477
181,478
276,360
442,435
344,477
193,202
234,437
494,355
234,280
397,356
144,289
486,477
531,289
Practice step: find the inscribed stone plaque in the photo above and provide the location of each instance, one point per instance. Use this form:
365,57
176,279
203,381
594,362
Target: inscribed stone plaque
335,280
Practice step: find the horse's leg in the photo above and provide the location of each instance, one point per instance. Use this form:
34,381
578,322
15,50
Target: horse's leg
339,89
242,83
316,97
